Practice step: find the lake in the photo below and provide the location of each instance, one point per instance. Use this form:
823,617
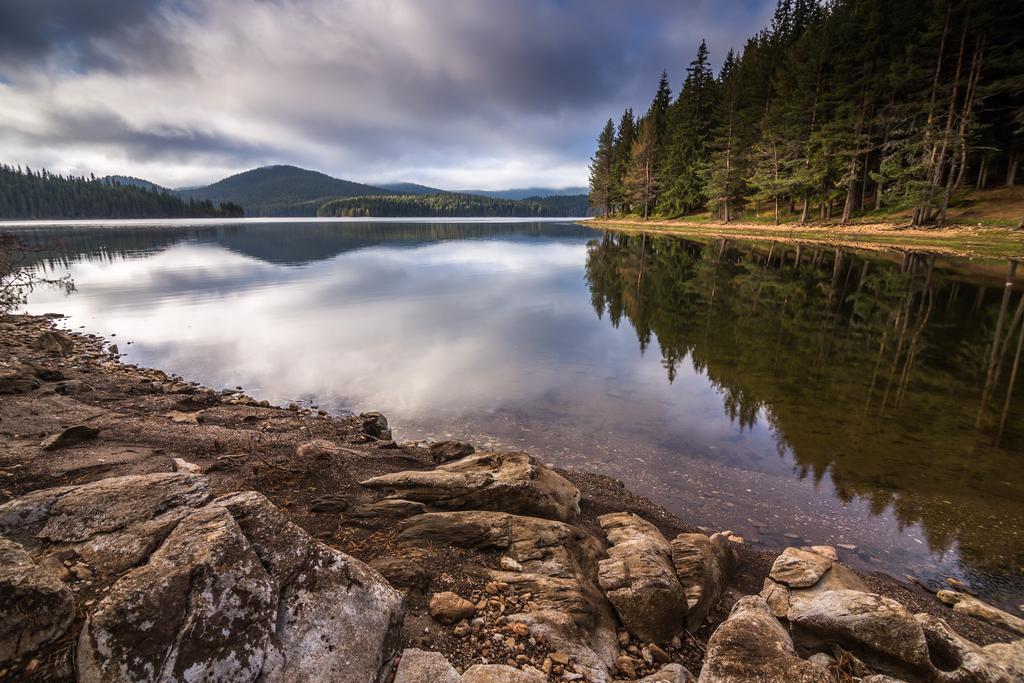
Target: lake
792,393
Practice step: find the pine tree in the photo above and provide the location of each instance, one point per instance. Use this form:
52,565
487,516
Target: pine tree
641,179
622,158
602,169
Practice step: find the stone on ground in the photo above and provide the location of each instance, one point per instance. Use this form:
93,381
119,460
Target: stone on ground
704,566
449,608
72,436
670,673
419,666
751,645
971,606
639,579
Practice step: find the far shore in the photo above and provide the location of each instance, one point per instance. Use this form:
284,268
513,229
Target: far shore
953,240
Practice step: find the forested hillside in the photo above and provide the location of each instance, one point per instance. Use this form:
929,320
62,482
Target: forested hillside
39,194
836,109
453,204
281,190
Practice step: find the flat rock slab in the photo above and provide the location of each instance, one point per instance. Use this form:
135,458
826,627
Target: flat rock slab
505,482
799,568
639,578
751,645
877,629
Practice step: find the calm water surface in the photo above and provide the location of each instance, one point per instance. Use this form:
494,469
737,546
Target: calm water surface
791,393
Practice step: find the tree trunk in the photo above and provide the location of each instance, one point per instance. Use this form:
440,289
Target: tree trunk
807,204
1011,169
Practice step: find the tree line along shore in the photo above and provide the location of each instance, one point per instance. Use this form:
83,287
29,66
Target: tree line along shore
855,109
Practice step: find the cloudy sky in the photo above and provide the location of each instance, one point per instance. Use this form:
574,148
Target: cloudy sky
484,94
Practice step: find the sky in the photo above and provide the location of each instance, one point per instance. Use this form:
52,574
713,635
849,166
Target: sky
483,94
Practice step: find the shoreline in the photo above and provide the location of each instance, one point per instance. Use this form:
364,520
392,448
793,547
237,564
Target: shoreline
306,462
954,240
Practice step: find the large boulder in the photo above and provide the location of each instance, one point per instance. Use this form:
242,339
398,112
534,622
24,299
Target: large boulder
877,629
751,645
556,565
336,617
200,589
201,606
704,566
35,606
639,578
505,482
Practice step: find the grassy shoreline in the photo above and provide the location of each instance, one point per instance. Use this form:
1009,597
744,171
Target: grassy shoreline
954,240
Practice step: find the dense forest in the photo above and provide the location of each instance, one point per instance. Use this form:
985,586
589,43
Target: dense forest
836,109
31,194
454,205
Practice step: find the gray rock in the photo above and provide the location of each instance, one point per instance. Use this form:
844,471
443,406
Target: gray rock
73,387
505,482
877,629
704,566
789,602
499,673
35,606
446,451
639,579
202,604
337,619
72,436
376,425
418,666
751,645
798,568
670,673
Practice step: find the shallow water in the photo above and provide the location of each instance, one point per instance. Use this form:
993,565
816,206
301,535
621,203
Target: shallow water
791,393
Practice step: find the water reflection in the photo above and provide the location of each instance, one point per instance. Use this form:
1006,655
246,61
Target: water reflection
892,374
774,389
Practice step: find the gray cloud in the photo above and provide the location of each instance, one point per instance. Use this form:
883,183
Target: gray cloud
462,93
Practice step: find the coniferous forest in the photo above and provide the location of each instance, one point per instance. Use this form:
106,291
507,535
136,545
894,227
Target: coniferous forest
454,204
836,109
31,194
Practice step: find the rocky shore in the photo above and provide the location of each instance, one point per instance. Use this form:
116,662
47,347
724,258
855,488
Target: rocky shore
155,530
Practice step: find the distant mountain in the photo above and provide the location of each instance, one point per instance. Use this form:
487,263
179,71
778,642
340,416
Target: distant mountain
281,191
131,181
411,188
527,192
